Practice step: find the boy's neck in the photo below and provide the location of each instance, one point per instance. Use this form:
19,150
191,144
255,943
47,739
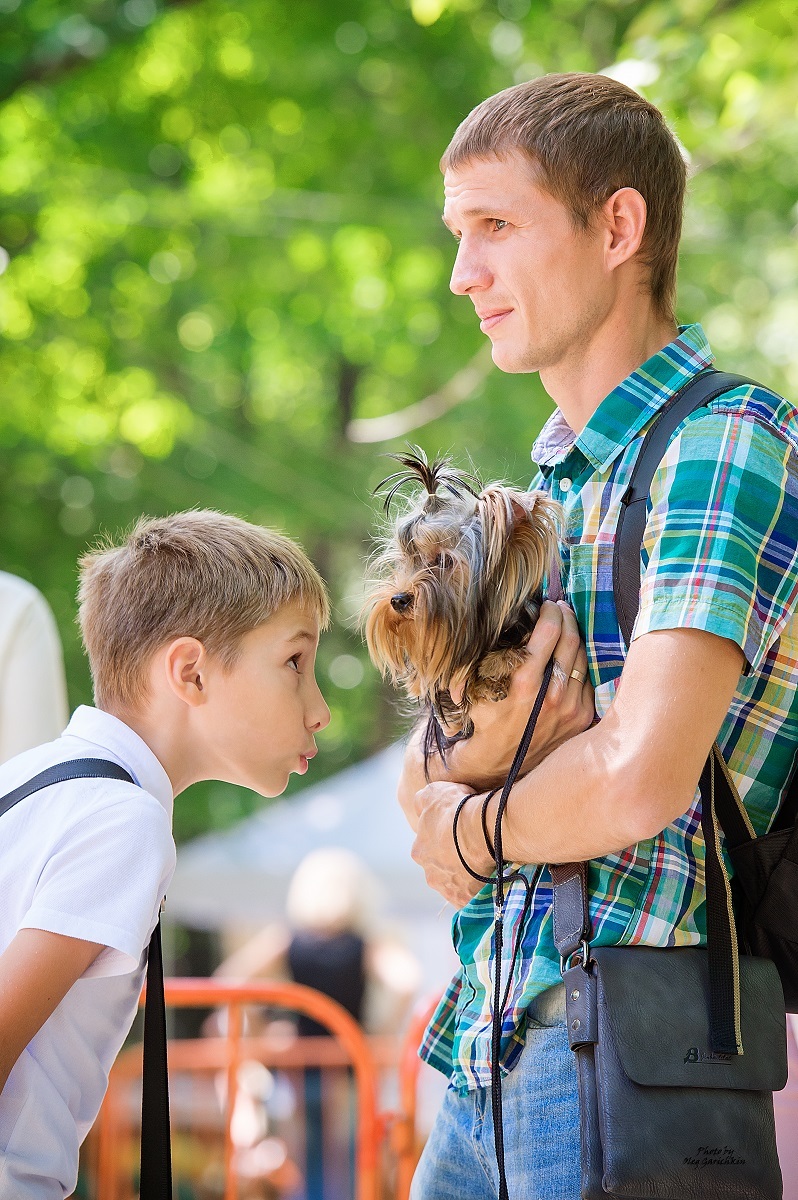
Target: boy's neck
168,744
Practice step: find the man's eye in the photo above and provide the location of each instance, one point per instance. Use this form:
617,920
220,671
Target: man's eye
498,224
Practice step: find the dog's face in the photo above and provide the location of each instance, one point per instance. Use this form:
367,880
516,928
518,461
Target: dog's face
459,586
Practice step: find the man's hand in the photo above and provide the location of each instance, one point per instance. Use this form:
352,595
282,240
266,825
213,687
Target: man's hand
483,760
434,848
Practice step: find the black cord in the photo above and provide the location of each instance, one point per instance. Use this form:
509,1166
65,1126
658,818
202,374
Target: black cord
500,896
485,834
474,874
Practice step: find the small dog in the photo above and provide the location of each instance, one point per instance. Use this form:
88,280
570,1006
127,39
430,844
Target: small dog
458,590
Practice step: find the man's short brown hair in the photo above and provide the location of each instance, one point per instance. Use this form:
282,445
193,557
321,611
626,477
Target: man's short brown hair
588,136
199,574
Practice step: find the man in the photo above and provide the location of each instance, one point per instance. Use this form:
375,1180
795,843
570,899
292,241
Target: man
565,195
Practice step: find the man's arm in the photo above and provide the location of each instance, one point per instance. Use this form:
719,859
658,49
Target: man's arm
37,970
618,783
483,761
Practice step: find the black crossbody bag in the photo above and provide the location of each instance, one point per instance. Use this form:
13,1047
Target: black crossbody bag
765,883
156,1154
678,1050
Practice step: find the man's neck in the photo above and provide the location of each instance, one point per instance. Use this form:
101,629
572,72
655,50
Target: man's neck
586,375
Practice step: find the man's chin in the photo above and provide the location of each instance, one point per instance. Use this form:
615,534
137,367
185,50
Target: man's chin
508,359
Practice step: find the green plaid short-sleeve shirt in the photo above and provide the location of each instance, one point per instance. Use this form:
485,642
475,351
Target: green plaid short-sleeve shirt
719,554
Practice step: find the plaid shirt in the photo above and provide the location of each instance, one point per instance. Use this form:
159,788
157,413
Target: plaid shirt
720,555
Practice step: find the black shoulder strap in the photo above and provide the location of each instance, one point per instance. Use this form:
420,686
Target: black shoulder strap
77,768
702,390
716,794
155,1175
156,1152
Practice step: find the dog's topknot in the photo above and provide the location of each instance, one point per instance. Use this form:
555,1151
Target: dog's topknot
438,475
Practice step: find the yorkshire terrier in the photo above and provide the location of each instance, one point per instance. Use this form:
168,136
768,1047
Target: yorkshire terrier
459,585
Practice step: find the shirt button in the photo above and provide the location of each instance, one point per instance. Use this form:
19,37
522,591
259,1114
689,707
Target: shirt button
565,484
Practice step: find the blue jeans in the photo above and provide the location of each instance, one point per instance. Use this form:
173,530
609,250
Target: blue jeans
541,1124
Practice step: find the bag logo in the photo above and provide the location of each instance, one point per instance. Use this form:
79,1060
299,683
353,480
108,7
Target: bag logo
714,1156
694,1055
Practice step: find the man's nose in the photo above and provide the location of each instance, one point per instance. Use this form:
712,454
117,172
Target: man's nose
469,272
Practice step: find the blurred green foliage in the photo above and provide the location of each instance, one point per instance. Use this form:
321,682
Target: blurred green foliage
224,243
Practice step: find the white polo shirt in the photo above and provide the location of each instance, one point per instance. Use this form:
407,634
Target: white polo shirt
92,859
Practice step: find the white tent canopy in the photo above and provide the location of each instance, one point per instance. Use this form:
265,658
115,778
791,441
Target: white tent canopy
241,876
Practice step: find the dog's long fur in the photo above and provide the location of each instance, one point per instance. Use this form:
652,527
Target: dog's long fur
458,587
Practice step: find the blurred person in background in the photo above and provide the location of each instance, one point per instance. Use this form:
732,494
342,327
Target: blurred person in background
33,695
329,943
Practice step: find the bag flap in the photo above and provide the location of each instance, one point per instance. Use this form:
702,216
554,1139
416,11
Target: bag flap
655,1004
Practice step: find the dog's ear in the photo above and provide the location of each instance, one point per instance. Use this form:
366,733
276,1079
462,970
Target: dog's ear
525,523
537,532
524,503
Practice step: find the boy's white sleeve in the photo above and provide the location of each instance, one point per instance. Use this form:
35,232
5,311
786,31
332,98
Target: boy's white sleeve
105,880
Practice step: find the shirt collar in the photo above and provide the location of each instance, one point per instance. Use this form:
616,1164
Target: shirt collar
108,733
629,406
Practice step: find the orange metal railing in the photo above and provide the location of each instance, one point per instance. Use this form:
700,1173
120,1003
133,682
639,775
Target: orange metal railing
406,1148
375,1131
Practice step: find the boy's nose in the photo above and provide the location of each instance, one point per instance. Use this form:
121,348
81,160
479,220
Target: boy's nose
322,714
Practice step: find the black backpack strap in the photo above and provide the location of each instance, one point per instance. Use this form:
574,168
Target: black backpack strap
155,1172
156,1151
702,390
717,794
78,768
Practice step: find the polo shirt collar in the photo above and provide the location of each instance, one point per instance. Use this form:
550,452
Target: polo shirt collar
108,733
629,406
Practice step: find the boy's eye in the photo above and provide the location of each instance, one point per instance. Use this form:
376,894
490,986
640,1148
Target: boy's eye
294,662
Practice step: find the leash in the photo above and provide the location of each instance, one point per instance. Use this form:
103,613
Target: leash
502,885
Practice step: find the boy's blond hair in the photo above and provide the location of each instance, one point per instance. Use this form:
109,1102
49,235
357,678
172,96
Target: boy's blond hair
199,574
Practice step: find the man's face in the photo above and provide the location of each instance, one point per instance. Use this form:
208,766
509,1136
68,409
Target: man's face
538,283
262,714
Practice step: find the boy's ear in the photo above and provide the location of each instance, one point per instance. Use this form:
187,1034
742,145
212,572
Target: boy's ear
185,660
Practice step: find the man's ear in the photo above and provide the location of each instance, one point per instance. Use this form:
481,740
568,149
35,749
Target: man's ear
184,661
624,216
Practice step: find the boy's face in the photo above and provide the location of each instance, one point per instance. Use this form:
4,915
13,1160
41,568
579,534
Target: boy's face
261,715
538,283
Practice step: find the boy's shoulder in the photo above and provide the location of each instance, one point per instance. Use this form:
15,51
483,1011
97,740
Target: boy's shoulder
92,734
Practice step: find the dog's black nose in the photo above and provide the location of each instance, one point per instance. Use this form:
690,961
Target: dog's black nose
401,601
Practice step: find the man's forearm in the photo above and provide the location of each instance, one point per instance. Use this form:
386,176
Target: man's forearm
574,806
628,777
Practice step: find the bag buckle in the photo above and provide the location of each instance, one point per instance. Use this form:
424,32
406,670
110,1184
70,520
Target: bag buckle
566,961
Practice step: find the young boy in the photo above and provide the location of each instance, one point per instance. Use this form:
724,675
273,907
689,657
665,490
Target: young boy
201,632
